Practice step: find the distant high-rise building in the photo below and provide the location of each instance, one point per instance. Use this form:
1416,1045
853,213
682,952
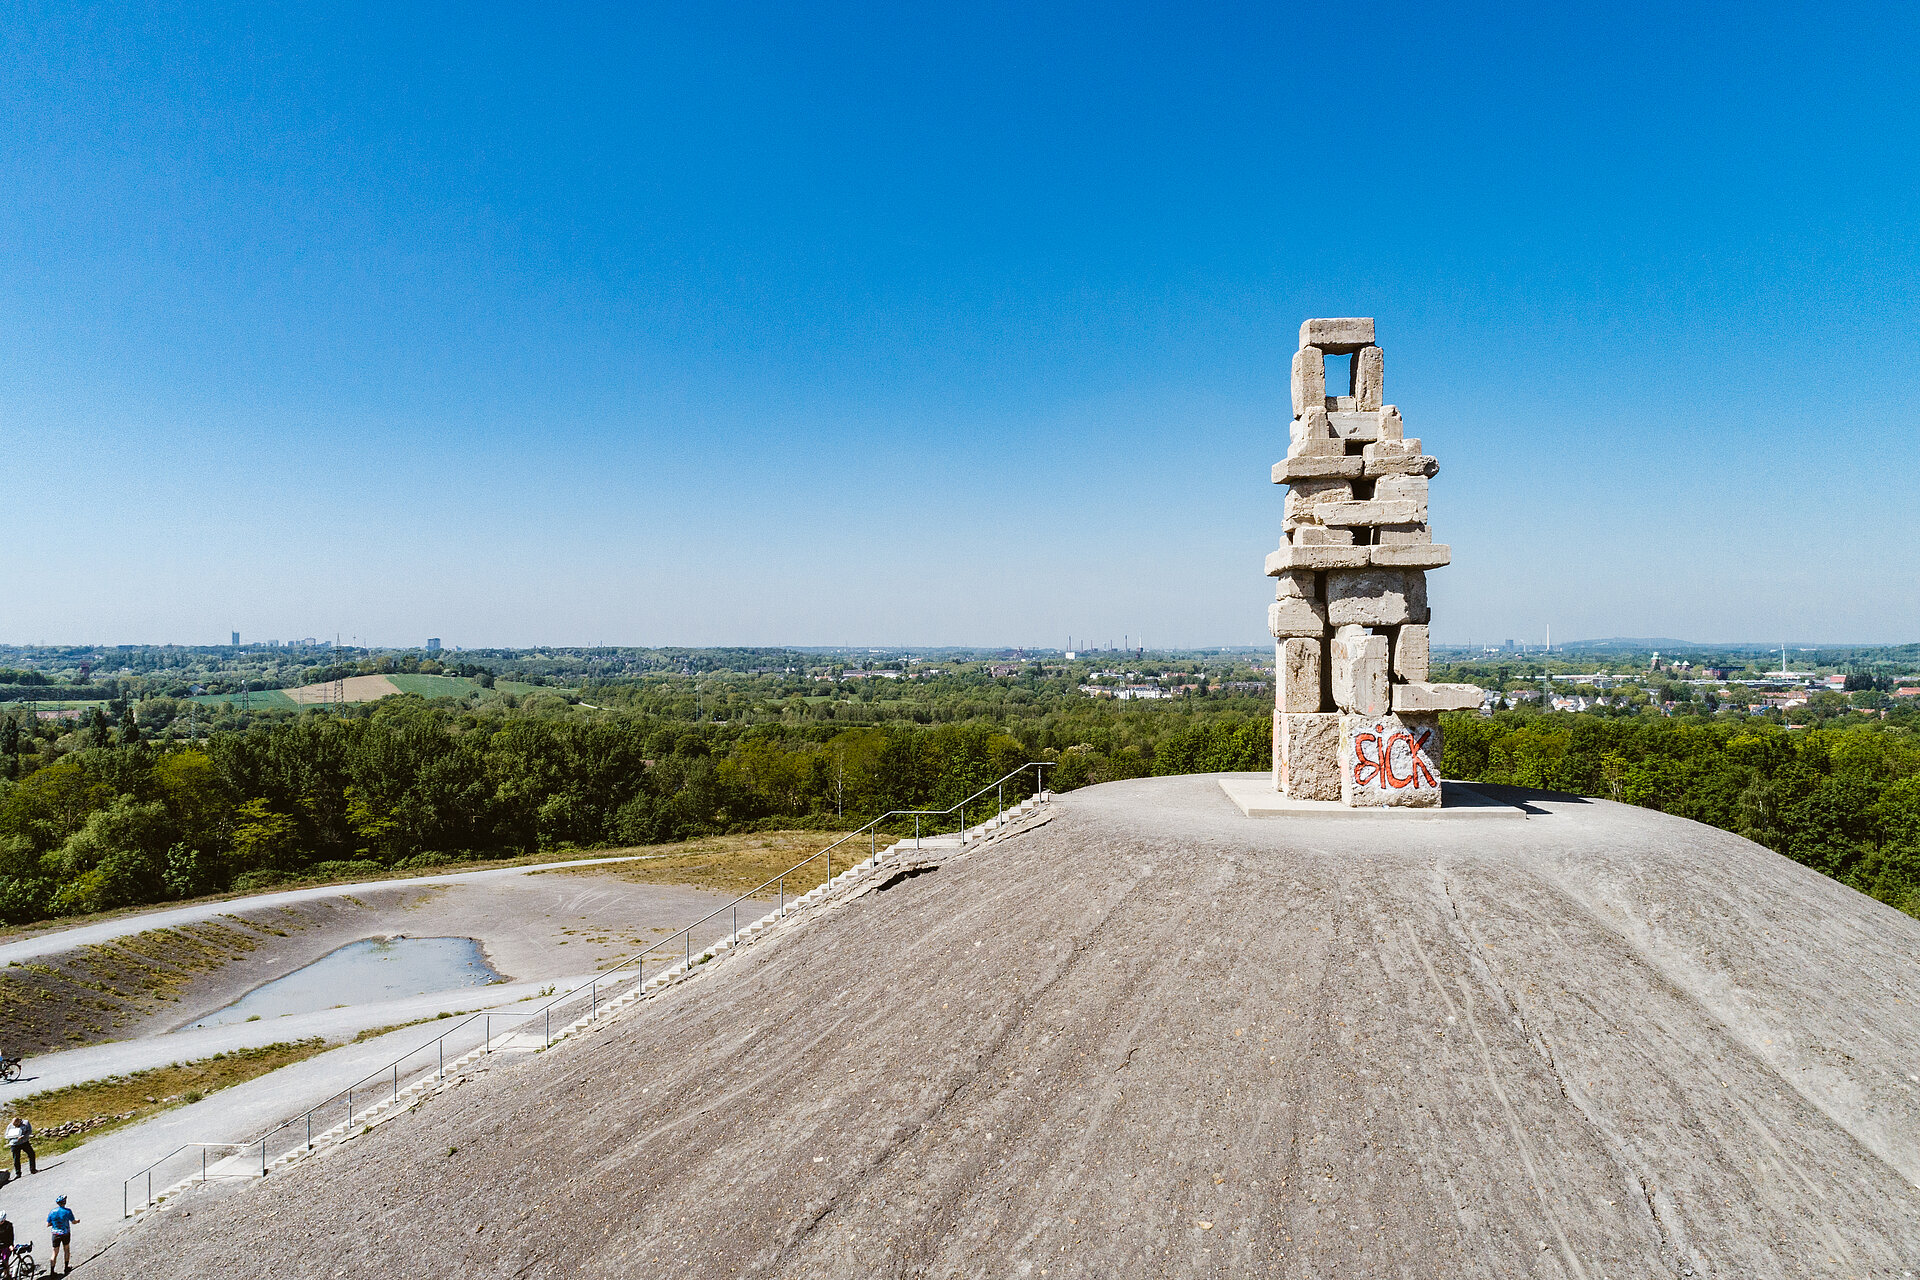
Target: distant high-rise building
433,644
236,639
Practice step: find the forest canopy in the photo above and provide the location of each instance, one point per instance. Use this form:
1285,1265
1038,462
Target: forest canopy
98,814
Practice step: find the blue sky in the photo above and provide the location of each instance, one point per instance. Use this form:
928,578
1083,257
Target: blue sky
911,326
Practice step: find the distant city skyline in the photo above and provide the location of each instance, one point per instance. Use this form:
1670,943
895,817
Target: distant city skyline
883,326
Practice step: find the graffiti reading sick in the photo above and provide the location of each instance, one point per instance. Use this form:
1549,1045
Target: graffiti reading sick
1398,760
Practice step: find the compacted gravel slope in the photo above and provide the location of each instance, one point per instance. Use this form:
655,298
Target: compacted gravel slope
1154,1037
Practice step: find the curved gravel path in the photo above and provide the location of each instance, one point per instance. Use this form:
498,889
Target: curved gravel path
46,944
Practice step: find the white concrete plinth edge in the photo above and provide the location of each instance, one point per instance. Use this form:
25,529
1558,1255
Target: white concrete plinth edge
1253,793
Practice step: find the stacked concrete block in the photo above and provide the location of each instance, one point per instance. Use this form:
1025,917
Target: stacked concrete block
1355,717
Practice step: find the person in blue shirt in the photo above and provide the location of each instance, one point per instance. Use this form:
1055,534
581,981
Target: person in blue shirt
60,1222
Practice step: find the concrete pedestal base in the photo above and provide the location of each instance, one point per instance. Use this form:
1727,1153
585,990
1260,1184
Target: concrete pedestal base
1254,794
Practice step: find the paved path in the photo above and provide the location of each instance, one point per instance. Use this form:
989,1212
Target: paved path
92,1176
124,926
96,1062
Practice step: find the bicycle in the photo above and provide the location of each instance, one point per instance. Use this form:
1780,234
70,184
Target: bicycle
21,1266
9,1068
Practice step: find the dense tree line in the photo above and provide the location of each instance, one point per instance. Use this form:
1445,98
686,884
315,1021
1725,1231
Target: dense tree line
103,813
115,820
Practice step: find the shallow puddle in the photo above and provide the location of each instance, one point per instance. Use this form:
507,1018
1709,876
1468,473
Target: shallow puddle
363,972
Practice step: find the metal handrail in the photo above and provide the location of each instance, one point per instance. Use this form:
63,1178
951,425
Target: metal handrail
203,1147
390,1072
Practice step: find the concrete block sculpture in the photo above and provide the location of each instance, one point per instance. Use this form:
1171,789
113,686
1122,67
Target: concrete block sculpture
1355,718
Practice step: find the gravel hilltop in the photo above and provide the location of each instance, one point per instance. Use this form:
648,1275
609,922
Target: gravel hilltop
1157,1038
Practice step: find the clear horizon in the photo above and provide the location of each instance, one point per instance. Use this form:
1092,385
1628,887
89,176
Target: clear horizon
1792,646
758,327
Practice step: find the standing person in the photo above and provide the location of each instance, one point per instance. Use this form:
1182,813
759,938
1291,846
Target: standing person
20,1138
60,1222
6,1241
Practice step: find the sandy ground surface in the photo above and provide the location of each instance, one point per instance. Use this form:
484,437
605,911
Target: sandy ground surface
1158,1038
355,689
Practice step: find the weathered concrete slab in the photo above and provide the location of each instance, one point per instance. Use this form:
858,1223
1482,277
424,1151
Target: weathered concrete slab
1296,556
1351,424
1369,377
1310,435
1376,597
1308,466
1296,669
1341,335
1309,380
1305,497
1390,760
1397,457
1296,616
1412,652
1359,665
1418,696
1307,755
1410,555
1331,510
1403,488
1296,583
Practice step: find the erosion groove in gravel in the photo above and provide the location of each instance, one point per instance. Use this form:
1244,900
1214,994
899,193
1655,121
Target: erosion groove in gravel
1155,1037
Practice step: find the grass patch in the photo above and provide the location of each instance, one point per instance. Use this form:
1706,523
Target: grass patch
372,1033
437,686
257,700
733,864
65,1118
